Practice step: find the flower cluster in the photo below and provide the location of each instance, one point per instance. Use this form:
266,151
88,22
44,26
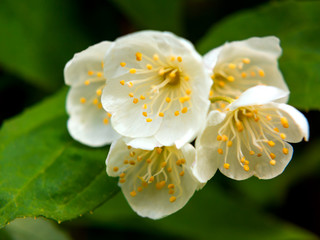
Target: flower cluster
150,94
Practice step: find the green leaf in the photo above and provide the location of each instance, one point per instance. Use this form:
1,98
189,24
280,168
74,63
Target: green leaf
165,15
210,214
38,38
296,23
44,172
31,229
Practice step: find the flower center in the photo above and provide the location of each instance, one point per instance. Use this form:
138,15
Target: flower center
161,87
161,169
240,72
251,130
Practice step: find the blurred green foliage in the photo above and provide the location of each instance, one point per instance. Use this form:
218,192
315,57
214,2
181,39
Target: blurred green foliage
43,172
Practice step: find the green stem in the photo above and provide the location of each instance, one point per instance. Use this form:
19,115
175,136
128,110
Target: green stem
220,98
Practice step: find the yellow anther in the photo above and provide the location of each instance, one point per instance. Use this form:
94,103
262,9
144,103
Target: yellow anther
95,101
122,180
161,114
268,117
186,78
129,147
132,154
172,75
144,106
99,106
99,92
115,169
99,74
135,100
159,150
243,75
179,59
249,114
90,73
176,113
138,56
125,162
87,82
139,189
261,73
283,136
184,110
246,60
132,70
211,93
178,162
130,84
133,193
122,175
169,169
102,64
246,162
181,173
259,154
144,184
83,100
164,164
109,115
188,91
105,120
239,126
155,57
122,64
132,162
242,160
226,165
183,161
276,129
149,66
272,155
144,114
246,168
221,83
256,118
232,66
271,143
272,162
253,74
122,82
142,97
149,160
172,199
131,94
284,122
229,144
224,138
148,120
171,185
220,151
251,152
285,150
219,138
172,58
213,76
160,185
168,99
139,158
230,78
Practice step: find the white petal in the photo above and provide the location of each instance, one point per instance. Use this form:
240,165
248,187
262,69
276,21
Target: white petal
88,124
143,143
298,124
258,95
206,146
76,70
210,59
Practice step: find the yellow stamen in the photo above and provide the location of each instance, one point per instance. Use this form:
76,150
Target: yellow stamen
219,138
123,64
246,168
283,136
176,113
272,162
184,110
87,82
160,185
122,82
186,78
230,78
226,165
83,100
168,99
90,73
155,57
181,173
148,120
135,100
149,66
172,199
243,74
115,169
232,66
99,92
261,73
132,70
164,164
179,59
144,114
251,152
106,121
171,185
272,155
246,60
188,91
161,114
122,175
144,106
139,189
99,74
285,150
229,144
130,94
133,193
271,143
142,97
284,122
220,151
122,180
138,56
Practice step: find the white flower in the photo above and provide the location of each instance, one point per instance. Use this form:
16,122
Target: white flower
240,65
88,122
251,137
155,182
157,87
